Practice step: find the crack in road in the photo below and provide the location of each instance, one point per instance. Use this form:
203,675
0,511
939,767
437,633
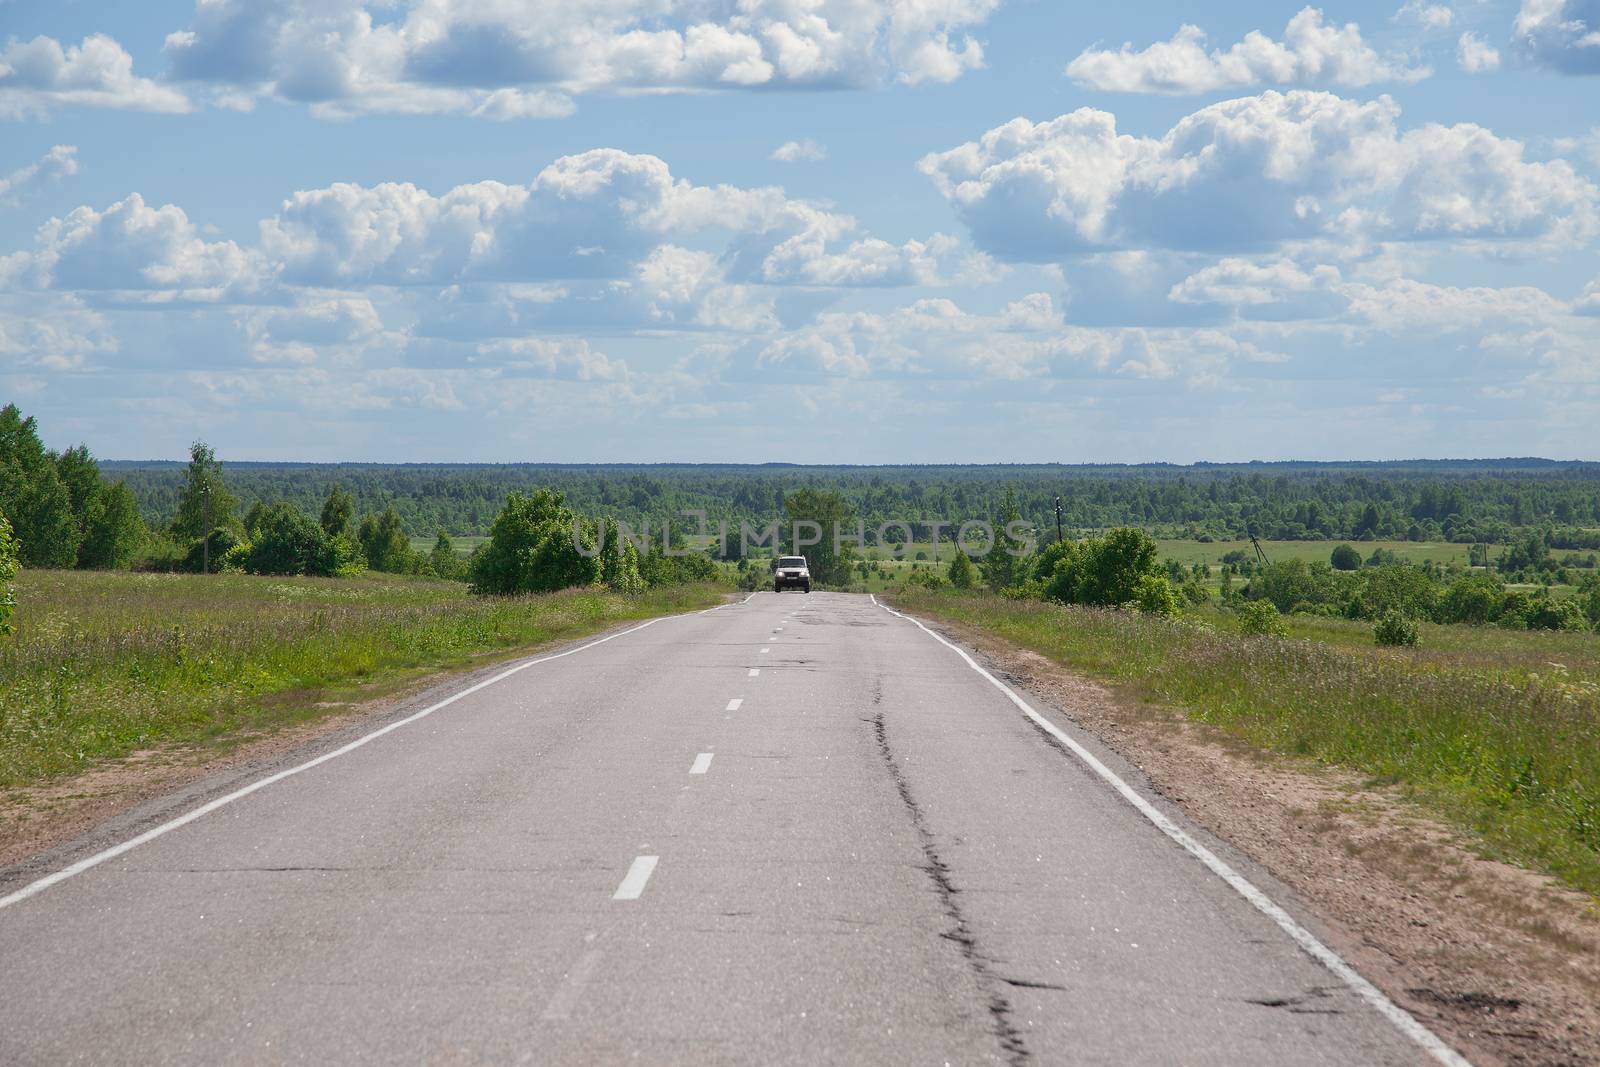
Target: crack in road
938,872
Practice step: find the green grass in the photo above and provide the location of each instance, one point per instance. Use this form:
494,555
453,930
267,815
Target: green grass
464,544
107,663
1496,731
1190,552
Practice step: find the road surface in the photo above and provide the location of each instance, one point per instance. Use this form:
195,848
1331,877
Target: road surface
793,830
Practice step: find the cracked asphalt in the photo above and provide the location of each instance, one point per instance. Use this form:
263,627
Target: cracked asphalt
880,861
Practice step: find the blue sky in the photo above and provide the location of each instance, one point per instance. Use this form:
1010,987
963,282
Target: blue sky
802,230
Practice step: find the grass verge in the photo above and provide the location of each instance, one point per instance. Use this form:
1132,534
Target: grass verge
104,663
1510,753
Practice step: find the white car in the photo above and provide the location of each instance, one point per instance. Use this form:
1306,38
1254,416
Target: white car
789,572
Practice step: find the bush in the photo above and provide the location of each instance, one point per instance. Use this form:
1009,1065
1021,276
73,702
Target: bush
1154,595
1101,571
1260,618
962,573
531,550
8,574
1345,558
287,542
1474,599
221,540
1551,614
1395,629
923,579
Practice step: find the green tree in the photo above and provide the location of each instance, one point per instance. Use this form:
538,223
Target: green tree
829,559
619,559
1002,567
1103,571
34,497
338,512
385,544
1261,618
962,573
8,574
287,542
205,502
1345,558
1474,599
443,561
114,531
532,548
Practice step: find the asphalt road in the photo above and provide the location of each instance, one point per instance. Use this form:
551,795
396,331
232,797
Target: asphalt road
647,851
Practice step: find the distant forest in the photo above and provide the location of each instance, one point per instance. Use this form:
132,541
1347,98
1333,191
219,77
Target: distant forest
1437,500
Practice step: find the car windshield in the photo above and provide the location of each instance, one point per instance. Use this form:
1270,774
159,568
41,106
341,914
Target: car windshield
792,561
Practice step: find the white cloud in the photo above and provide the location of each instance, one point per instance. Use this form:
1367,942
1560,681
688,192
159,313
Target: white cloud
40,75
1256,173
1589,302
553,357
60,162
807,151
505,59
1563,35
131,246
1428,15
61,336
1475,55
1311,53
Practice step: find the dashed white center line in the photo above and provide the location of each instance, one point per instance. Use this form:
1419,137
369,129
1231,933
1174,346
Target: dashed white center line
702,763
733,705
764,651
633,884
755,672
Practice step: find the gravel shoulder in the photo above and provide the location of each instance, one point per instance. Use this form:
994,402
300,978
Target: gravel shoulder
1502,962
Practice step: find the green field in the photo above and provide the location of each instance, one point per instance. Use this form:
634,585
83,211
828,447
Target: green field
1494,730
1211,553
105,663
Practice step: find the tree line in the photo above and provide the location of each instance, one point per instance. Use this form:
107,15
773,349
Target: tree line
1461,501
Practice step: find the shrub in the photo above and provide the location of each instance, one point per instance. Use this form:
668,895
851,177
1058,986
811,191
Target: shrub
1395,629
962,573
1101,571
1550,614
1261,618
1472,598
530,548
1154,595
8,573
1345,558
287,542
923,579
221,540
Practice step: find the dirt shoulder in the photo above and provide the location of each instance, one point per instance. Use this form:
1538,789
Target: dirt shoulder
1502,962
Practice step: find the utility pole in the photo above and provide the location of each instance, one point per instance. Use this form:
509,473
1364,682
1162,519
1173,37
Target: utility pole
205,536
1059,535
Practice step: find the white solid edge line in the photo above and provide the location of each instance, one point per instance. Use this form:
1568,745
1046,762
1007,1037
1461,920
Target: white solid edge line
633,882
755,672
1403,1020
207,808
702,763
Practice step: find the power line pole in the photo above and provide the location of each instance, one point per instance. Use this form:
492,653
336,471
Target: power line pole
1059,535
205,536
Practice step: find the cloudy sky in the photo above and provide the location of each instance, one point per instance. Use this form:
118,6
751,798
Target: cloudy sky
802,230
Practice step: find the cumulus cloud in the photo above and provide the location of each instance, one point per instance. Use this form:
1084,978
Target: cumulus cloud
1589,302
63,336
512,58
1428,15
131,246
41,75
1563,35
1255,173
60,162
1475,55
1312,52
807,151
592,215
